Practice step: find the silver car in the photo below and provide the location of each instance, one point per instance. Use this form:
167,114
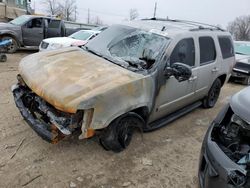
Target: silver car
142,74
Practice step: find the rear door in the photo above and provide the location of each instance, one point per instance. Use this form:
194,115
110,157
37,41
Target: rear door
55,28
209,66
33,32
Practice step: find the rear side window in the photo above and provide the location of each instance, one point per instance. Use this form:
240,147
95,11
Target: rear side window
207,50
184,52
226,47
54,24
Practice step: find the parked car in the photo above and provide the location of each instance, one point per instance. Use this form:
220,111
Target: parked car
241,70
79,38
143,74
225,153
28,31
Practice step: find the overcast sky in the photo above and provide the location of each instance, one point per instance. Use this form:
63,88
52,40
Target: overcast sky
207,11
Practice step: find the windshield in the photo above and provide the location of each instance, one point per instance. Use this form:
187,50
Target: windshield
20,20
128,47
242,48
81,35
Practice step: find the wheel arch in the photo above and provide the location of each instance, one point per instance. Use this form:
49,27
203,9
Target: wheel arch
222,78
142,111
12,36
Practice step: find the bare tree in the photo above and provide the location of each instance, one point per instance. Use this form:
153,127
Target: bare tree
68,9
240,28
51,6
133,14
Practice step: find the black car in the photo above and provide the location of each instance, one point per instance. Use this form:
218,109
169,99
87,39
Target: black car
225,153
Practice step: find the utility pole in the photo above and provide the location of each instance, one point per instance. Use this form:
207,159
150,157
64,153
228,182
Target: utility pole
155,9
88,16
75,13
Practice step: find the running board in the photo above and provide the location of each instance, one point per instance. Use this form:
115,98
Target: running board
168,119
29,48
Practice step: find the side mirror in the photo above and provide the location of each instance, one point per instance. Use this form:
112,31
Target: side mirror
180,71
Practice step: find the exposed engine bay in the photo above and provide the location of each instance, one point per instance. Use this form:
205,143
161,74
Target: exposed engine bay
233,137
51,124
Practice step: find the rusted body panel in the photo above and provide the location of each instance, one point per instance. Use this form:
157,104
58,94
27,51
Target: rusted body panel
73,79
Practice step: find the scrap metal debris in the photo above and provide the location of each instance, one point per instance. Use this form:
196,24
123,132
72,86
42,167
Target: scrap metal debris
14,154
27,183
147,162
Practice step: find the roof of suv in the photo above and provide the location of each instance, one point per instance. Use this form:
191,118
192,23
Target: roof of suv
173,27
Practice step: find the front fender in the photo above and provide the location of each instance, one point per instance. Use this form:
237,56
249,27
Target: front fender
15,35
113,103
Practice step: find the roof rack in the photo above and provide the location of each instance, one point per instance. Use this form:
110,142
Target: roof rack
199,25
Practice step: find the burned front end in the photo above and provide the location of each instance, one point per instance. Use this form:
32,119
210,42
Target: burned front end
48,122
225,155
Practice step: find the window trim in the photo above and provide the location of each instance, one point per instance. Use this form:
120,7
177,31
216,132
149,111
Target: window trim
216,53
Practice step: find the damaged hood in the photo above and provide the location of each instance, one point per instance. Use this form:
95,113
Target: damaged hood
67,77
240,104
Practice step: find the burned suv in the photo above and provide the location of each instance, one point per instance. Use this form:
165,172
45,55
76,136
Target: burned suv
139,75
225,155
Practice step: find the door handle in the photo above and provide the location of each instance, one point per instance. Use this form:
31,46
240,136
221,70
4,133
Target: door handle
215,69
193,78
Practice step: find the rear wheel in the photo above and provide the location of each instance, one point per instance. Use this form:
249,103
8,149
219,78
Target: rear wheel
117,136
13,47
213,94
247,81
3,58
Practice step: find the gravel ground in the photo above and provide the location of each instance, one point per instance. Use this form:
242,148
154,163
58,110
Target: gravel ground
166,158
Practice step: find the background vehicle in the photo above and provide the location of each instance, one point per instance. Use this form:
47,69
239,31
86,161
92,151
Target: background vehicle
129,76
79,38
3,48
225,153
241,70
28,31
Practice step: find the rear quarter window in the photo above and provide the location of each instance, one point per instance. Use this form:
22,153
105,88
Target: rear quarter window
226,46
54,24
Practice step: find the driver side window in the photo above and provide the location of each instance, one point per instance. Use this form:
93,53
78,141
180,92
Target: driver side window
35,23
184,52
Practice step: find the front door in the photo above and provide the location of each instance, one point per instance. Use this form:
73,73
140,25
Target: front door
33,32
174,95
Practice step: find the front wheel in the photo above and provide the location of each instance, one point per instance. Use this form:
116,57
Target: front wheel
213,94
117,136
13,47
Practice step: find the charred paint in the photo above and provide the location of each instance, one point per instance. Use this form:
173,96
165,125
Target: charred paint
72,79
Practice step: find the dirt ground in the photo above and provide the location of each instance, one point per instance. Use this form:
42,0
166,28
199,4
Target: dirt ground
166,158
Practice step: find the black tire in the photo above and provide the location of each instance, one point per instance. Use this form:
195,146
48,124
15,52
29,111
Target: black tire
213,94
246,81
13,47
3,58
117,136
